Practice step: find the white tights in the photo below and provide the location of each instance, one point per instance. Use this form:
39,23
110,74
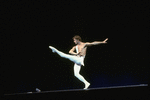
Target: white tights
77,67
75,59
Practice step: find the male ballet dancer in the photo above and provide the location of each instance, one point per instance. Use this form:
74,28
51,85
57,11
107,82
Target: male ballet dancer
78,57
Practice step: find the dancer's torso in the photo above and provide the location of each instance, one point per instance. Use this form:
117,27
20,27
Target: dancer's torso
81,48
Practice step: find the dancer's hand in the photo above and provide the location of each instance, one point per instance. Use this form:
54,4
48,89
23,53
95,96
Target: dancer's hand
105,40
78,54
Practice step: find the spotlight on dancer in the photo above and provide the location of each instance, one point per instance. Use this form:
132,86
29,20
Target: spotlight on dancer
78,56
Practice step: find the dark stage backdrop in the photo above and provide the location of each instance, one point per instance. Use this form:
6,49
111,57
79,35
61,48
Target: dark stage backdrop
30,27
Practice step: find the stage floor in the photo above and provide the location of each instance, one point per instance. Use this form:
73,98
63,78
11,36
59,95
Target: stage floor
129,92
69,90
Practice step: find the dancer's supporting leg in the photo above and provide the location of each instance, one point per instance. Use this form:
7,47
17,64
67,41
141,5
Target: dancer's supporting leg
72,58
79,76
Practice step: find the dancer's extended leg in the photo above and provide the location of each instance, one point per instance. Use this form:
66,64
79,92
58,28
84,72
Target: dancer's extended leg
80,77
72,58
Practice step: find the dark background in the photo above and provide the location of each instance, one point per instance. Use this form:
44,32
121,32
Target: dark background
29,27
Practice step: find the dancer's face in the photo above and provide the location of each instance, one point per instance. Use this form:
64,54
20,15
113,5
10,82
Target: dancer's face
76,41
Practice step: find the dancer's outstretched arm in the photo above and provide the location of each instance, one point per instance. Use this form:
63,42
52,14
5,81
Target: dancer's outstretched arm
96,42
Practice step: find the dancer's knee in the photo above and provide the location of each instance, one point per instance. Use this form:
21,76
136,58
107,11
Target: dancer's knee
76,75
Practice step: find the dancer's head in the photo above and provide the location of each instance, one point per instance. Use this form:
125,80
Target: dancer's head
77,39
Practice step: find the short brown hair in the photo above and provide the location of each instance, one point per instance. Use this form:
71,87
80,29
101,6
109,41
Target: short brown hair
77,37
